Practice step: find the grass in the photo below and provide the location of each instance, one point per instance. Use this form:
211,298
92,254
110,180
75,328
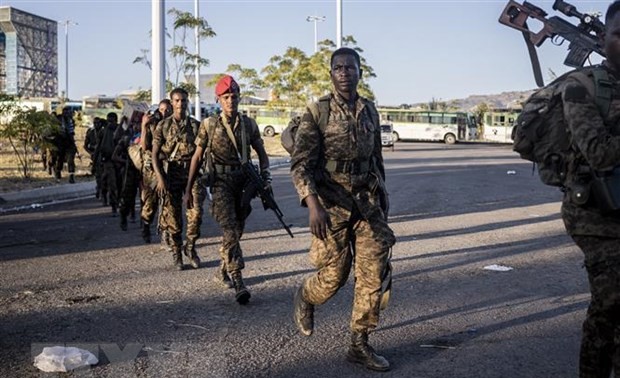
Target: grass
11,179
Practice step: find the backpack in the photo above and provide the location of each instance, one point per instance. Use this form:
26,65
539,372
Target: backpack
540,133
320,113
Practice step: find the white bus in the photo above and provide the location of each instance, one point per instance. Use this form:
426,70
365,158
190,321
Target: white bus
497,125
423,125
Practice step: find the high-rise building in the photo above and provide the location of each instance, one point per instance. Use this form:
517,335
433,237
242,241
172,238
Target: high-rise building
28,54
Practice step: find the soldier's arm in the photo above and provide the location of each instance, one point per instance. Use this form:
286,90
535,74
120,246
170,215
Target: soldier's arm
304,159
157,142
194,166
378,151
589,133
259,146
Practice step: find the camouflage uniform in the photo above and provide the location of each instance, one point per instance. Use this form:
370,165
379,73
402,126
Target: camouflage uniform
597,142
109,186
227,187
176,143
343,166
149,181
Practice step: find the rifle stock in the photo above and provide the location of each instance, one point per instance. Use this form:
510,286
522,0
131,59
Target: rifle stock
264,193
583,38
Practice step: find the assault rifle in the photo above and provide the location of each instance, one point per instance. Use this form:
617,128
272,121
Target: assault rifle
265,194
583,39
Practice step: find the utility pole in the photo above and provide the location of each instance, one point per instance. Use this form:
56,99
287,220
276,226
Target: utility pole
158,49
315,19
338,24
197,108
67,23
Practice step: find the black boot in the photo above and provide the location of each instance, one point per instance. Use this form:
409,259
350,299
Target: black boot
123,222
362,353
114,211
190,252
222,277
146,232
242,295
71,178
303,313
177,258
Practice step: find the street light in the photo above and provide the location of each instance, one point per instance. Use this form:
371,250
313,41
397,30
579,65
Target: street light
67,23
315,19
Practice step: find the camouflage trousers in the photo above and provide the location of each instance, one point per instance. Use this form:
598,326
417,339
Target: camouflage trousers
172,213
149,196
351,240
131,182
65,153
600,341
228,212
108,182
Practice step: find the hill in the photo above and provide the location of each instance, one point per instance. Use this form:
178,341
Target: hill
504,100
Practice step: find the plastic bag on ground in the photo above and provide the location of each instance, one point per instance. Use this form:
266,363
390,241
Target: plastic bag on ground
63,359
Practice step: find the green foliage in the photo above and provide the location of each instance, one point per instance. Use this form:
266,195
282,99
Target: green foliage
479,111
26,130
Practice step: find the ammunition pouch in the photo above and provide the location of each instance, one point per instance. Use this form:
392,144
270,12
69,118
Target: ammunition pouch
606,190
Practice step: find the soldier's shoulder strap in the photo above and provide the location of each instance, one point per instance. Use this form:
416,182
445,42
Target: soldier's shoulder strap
320,111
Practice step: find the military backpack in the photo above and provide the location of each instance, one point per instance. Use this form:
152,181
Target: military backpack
541,134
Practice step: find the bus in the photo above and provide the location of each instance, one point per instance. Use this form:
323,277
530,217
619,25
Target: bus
497,125
271,120
424,125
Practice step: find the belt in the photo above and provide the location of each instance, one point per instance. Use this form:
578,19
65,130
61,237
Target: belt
347,166
221,168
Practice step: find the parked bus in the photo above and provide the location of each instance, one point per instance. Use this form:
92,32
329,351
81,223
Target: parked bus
497,125
423,125
271,120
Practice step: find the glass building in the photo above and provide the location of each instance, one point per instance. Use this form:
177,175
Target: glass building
28,54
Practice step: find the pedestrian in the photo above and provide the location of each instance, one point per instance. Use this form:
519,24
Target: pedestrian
90,146
173,148
224,140
595,224
149,181
105,149
337,169
66,145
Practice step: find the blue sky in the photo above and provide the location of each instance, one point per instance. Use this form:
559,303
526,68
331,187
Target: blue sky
419,49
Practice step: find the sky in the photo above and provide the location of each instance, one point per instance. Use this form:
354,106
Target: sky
420,50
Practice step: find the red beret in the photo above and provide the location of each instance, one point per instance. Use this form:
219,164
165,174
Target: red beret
226,84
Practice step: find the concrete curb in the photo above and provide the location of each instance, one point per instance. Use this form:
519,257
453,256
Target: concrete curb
12,201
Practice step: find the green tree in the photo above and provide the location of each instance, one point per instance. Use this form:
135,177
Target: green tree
183,62
25,129
288,76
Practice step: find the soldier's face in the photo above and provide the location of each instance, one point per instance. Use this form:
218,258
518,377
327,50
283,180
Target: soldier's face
179,103
612,42
165,109
345,74
229,103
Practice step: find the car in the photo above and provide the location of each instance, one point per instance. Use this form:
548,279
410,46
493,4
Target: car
387,136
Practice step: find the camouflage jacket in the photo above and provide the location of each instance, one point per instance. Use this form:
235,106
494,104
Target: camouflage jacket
222,148
349,138
169,133
596,140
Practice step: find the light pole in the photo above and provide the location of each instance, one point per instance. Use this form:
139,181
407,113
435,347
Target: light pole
338,24
67,23
315,19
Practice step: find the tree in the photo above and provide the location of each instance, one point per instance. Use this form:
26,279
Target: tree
288,76
183,62
25,129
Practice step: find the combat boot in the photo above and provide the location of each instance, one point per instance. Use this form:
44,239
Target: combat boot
114,211
177,258
146,232
242,295
303,313
362,353
190,252
222,277
123,222
71,178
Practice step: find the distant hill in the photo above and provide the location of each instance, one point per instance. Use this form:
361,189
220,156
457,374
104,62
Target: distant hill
504,100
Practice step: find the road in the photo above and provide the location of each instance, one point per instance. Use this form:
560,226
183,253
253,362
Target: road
69,276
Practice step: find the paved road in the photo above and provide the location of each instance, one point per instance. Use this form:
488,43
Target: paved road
69,276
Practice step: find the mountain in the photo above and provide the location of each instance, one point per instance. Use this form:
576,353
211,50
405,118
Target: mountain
504,100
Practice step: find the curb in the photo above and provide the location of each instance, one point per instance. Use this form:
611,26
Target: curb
33,198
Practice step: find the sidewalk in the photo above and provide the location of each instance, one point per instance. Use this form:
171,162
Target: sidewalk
12,201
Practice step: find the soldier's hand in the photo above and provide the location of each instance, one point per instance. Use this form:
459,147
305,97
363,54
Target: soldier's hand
188,199
318,218
161,187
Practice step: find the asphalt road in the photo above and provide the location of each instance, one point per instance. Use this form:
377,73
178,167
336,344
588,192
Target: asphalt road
69,276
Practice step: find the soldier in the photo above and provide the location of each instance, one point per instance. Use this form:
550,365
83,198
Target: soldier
225,140
338,171
66,145
173,147
149,181
105,149
594,228
90,145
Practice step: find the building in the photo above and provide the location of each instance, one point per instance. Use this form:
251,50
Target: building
28,54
